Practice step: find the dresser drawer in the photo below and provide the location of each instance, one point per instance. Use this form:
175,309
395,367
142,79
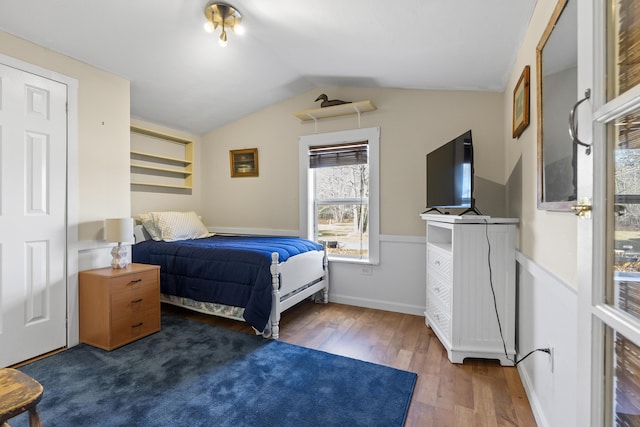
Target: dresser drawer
440,288
439,318
439,261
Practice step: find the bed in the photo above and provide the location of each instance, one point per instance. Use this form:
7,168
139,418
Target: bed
248,278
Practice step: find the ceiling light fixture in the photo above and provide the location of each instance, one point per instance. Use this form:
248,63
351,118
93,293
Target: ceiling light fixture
225,16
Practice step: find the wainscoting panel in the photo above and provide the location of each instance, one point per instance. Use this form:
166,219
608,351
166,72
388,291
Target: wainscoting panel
397,284
547,317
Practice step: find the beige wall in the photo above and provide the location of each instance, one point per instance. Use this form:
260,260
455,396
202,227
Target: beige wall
165,199
103,133
548,238
412,123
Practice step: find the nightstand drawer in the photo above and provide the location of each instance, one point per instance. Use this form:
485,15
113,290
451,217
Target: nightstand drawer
128,328
130,300
133,282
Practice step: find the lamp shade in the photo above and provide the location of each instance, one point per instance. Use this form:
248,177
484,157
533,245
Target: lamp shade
118,230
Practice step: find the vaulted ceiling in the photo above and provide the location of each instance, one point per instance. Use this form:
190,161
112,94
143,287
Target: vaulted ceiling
180,76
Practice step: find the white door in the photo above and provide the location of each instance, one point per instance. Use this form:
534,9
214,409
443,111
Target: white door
33,153
609,241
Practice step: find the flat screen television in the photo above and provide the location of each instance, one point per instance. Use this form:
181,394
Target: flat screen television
450,175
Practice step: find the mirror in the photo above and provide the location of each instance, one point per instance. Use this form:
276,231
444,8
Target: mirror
557,90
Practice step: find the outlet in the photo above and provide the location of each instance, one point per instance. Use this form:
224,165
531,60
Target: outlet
551,361
366,270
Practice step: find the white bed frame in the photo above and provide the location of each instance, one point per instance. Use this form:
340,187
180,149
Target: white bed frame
298,278
292,281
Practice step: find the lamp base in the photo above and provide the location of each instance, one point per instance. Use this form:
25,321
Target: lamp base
119,254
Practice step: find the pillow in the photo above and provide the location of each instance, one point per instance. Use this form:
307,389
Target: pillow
147,222
174,226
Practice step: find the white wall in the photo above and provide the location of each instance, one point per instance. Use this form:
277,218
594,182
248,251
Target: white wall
547,318
396,284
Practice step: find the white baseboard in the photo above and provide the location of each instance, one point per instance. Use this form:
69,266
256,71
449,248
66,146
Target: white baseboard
534,402
379,305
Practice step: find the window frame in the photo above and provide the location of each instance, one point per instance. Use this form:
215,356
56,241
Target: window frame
307,209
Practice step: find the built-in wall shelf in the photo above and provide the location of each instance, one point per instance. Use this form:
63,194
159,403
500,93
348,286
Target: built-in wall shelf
148,184
158,169
336,110
160,160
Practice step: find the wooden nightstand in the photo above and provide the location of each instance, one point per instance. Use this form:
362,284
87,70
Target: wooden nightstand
118,306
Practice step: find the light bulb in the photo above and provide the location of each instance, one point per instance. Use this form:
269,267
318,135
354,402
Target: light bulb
208,27
223,39
239,29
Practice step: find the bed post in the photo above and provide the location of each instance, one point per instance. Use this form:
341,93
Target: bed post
325,263
275,296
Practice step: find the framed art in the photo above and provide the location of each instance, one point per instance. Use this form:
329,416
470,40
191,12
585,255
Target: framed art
244,162
521,104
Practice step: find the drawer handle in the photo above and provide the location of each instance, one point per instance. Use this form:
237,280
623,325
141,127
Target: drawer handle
136,301
133,282
437,290
437,262
137,325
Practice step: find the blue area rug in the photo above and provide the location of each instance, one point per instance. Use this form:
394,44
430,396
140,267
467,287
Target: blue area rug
193,374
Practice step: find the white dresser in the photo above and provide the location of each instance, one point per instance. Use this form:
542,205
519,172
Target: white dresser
461,284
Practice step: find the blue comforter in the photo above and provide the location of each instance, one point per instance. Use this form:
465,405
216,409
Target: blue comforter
231,270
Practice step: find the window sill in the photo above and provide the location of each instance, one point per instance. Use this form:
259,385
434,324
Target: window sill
353,261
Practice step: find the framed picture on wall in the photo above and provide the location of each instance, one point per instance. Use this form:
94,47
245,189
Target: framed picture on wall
521,104
244,162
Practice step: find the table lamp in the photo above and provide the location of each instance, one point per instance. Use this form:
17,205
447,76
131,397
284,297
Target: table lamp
118,230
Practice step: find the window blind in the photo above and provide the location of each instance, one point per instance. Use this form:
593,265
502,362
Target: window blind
326,156
628,44
628,60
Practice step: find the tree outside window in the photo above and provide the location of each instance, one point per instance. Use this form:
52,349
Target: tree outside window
342,209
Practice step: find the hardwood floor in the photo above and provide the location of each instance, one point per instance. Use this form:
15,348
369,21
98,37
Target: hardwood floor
476,393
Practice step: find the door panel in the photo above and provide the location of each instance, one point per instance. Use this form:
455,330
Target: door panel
609,262
33,146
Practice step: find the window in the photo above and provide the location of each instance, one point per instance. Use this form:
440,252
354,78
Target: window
339,185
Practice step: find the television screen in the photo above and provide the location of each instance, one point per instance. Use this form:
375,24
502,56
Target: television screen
450,174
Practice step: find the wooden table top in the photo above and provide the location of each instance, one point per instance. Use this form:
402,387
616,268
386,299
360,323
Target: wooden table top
18,393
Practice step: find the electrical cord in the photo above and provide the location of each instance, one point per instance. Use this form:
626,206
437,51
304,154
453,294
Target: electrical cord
544,350
495,304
